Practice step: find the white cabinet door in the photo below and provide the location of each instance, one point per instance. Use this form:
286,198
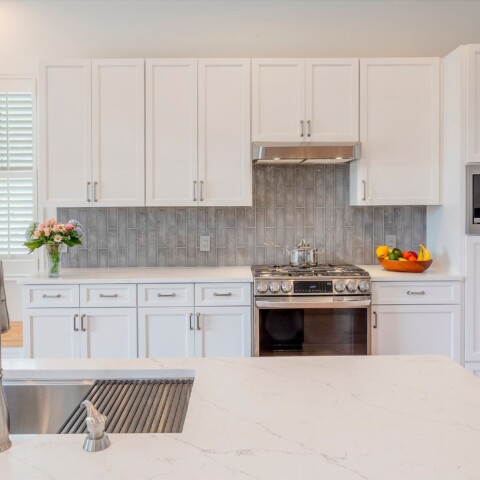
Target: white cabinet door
118,132
416,330
166,332
65,132
399,131
171,132
109,332
51,333
278,100
224,156
472,299
331,99
473,103
223,332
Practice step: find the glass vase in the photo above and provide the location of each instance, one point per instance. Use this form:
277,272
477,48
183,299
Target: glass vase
54,259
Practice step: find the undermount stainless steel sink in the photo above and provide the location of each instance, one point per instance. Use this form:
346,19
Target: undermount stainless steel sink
131,406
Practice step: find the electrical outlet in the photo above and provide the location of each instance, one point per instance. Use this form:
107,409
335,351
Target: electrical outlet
391,241
204,243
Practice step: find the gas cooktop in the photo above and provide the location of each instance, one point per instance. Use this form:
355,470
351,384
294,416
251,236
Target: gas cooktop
277,271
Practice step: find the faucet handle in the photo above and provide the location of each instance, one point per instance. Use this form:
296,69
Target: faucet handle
97,439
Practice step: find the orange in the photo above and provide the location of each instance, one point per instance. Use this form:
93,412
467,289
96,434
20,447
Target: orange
382,251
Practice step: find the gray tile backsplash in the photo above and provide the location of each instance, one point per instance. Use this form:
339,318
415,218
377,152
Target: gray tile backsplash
290,203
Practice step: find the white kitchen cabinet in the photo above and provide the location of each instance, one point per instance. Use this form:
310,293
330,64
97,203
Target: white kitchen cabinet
212,326
92,133
101,323
399,133
416,330
417,318
473,104
198,132
305,100
472,299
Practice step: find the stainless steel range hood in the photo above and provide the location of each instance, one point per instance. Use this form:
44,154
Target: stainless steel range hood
276,153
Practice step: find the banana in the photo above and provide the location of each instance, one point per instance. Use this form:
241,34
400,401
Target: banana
424,254
420,254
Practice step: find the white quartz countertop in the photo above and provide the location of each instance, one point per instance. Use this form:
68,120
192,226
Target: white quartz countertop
145,275
290,418
206,274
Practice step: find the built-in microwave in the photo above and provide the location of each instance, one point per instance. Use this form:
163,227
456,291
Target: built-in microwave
473,199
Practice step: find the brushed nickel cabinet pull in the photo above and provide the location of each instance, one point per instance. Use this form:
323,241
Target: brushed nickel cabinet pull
201,190
103,295
95,191
194,190
301,128
198,321
376,319
216,294
51,296
308,128
190,316
75,329
166,294
82,318
88,192
364,183
420,292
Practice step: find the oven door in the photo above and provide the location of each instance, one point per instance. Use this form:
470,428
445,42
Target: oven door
312,326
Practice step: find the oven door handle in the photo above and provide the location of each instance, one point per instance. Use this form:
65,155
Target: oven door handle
310,302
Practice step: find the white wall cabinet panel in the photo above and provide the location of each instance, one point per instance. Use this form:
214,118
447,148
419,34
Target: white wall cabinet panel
92,133
223,332
224,156
472,299
331,106
473,103
278,99
166,332
51,333
109,332
65,132
417,330
171,131
399,132
118,132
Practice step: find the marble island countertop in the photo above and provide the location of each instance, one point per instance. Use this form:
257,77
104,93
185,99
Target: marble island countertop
345,418
206,274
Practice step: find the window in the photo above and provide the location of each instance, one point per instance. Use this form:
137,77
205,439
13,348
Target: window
17,179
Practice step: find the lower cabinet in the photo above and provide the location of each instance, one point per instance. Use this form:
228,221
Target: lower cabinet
416,330
84,333
194,332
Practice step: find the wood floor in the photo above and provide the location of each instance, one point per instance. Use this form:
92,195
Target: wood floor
13,338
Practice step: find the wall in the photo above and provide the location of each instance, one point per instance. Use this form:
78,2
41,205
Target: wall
290,203
34,29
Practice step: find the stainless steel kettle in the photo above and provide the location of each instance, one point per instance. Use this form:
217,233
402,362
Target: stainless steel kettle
303,255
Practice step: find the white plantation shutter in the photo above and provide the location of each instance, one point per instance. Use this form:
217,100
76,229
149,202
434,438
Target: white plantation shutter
17,107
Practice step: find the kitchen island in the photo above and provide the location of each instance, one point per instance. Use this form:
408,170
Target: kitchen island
404,417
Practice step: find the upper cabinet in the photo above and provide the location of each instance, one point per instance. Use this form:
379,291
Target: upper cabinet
473,103
92,133
92,124
305,100
198,132
399,133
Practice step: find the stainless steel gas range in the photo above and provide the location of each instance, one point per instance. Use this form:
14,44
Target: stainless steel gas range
321,310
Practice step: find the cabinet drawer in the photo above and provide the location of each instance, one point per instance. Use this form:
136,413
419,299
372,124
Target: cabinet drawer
415,293
214,294
108,295
47,296
160,295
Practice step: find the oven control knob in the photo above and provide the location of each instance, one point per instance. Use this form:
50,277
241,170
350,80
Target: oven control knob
352,286
286,287
262,287
340,286
364,286
274,287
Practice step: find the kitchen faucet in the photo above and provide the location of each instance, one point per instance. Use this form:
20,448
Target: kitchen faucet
5,442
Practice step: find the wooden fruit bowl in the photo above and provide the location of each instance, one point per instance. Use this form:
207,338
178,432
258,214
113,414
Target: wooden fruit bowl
408,267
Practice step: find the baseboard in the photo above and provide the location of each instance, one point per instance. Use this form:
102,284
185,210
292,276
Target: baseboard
12,352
